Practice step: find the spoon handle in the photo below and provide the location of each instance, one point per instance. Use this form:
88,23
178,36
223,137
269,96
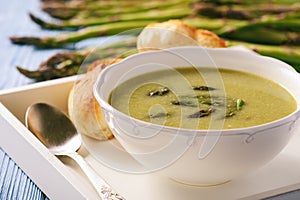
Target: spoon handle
103,189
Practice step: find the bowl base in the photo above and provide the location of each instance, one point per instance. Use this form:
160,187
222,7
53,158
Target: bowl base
200,184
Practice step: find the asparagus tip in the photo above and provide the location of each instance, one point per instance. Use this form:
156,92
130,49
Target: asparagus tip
21,40
25,40
36,19
28,73
35,41
43,23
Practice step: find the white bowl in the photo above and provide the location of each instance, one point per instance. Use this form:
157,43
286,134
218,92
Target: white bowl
200,157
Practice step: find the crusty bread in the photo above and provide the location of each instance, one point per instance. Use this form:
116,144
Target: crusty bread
84,109
207,38
165,35
174,33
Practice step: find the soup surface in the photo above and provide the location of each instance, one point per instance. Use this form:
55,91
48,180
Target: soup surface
202,98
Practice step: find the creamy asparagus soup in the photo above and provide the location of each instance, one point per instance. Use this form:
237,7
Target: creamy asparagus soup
202,98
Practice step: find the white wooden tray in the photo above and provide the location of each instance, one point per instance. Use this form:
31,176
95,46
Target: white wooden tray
60,180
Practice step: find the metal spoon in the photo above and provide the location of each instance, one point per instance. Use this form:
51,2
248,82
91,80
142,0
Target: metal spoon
56,131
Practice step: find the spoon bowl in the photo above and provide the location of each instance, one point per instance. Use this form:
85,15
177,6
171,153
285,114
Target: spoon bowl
57,132
53,128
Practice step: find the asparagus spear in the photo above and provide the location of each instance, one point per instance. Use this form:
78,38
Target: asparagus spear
287,24
67,13
89,32
242,12
250,2
263,35
79,5
60,13
53,1
288,54
159,15
57,9
220,25
70,63
271,30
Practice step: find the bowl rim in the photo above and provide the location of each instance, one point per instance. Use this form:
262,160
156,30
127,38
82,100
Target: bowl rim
251,130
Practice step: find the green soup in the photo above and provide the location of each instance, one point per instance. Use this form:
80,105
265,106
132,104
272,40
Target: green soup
203,98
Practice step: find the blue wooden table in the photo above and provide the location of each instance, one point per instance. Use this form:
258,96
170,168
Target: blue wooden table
14,20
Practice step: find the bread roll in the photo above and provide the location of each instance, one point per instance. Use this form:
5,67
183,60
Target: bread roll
174,33
207,38
84,110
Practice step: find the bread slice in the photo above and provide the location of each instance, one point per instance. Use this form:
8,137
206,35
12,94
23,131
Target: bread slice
174,33
207,38
83,108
